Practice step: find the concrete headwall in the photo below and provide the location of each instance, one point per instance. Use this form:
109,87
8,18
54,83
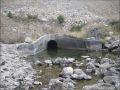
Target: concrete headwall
63,41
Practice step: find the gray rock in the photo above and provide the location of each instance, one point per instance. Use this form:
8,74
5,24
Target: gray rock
2,63
79,74
78,71
44,89
99,86
90,65
111,79
63,61
107,60
117,85
57,60
56,84
88,70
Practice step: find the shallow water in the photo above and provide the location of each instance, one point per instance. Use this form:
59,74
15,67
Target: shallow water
53,72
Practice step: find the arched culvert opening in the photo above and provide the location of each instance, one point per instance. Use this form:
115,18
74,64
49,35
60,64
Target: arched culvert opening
52,45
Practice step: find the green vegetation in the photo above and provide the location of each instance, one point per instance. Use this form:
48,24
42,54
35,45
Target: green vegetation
115,26
29,16
77,27
10,15
61,19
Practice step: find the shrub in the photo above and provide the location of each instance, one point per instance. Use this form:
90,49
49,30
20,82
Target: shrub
10,15
29,16
61,19
77,27
115,26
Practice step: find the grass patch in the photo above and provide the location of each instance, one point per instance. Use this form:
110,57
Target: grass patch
10,15
34,17
115,26
61,19
77,27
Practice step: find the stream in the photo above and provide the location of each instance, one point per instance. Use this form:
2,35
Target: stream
44,74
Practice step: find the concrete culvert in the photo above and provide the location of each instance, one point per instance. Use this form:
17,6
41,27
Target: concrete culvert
52,45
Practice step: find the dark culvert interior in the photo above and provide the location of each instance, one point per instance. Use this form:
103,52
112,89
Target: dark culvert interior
52,48
52,45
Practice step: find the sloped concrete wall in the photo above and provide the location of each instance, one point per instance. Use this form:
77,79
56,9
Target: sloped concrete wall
63,41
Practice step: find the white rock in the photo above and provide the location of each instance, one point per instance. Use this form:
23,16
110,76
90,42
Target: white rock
48,61
43,19
67,71
28,40
88,59
71,59
85,56
37,83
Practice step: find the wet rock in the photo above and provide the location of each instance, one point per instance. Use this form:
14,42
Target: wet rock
48,62
67,71
99,86
63,61
57,60
38,63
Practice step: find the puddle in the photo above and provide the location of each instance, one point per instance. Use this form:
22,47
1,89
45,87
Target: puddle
54,71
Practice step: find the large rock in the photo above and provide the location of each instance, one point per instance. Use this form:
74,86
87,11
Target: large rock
79,74
63,61
107,60
111,79
56,84
99,86
67,71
